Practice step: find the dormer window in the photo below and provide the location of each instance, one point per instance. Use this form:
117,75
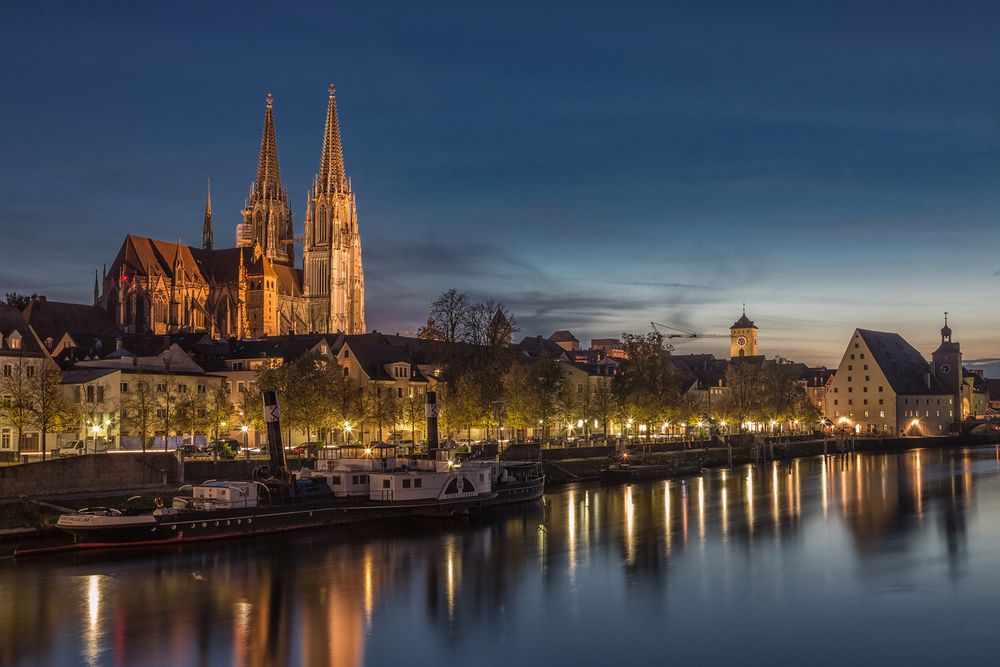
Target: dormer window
14,340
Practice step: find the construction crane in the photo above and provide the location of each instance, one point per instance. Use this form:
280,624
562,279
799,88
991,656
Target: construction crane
680,333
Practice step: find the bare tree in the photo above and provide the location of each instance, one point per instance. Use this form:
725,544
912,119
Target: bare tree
49,408
17,395
139,406
451,315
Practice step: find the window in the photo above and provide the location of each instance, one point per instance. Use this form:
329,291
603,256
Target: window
579,388
161,388
881,389
347,353
386,484
862,355
30,370
346,372
864,389
836,402
417,483
161,413
850,368
8,370
881,401
182,388
849,378
90,393
850,390
866,366
406,483
868,378
5,438
866,414
399,392
237,365
15,343
850,401
241,387
855,345
202,389
123,388
335,480
452,487
100,393
865,401
467,486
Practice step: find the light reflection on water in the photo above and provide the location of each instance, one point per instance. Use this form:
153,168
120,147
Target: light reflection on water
858,558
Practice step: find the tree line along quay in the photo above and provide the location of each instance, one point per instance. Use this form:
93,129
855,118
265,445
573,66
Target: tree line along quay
66,392
161,392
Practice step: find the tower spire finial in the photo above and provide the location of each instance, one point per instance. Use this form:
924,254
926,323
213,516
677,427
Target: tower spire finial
97,293
268,184
331,165
207,235
744,307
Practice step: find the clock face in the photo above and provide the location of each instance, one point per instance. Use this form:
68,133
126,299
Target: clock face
945,368
742,341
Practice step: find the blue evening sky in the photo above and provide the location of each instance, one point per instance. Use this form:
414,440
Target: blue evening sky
594,165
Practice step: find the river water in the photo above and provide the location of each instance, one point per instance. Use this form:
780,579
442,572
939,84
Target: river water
857,559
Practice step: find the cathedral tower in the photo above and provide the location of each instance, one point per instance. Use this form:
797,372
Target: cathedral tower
333,277
267,218
743,337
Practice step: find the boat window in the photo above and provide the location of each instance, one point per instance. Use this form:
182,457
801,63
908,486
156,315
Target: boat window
406,483
336,480
467,486
386,483
417,483
452,486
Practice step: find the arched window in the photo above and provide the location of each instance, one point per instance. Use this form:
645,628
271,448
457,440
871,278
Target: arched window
452,487
467,486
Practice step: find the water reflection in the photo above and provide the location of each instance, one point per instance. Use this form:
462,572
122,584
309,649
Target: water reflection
771,541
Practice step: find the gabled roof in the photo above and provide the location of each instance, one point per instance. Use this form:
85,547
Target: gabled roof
904,367
53,319
563,336
743,323
287,348
534,346
11,320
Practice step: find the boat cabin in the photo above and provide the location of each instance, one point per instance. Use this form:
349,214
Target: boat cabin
215,495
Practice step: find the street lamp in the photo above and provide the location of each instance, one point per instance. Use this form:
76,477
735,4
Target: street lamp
347,431
244,429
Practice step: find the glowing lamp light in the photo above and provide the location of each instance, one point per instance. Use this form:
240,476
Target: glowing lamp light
368,451
347,426
642,427
915,422
244,428
579,423
845,420
701,424
95,428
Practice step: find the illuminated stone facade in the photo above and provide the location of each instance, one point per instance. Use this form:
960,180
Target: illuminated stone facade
253,289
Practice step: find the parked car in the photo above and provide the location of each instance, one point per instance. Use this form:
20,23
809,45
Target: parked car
72,448
223,447
191,450
306,449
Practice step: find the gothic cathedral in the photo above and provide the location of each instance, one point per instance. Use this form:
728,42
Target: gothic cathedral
254,289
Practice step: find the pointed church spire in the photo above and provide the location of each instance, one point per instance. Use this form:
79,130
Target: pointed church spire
206,229
97,293
331,166
268,184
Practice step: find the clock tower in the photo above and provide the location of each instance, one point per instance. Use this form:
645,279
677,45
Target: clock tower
946,364
743,337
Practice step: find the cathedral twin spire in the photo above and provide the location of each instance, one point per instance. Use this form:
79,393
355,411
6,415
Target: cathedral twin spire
331,166
268,185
